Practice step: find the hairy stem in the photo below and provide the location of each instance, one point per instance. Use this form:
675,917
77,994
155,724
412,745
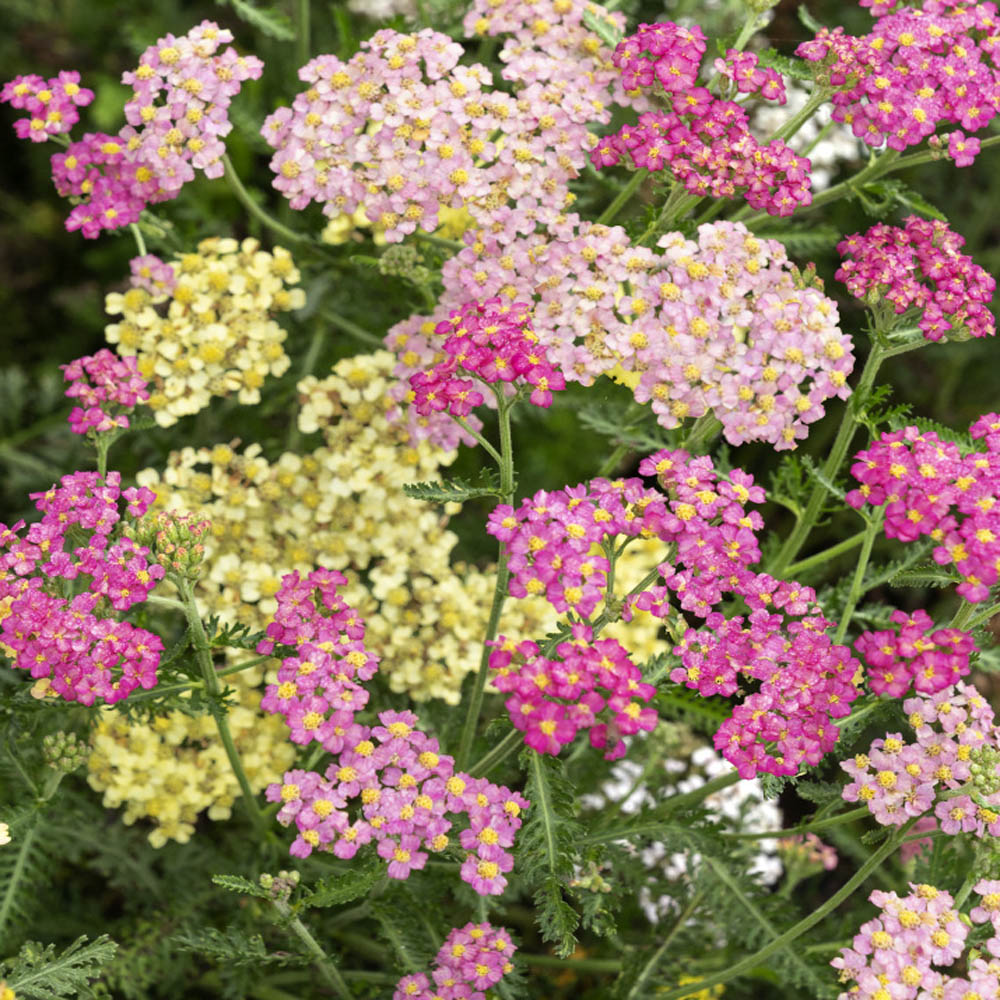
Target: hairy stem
624,196
243,197
826,555
324,964
858,583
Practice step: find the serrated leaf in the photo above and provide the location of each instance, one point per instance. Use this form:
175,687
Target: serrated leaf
344,886
924,576
804,241
454,490
236,883
816,473
270,22
37,973
797,69
879,197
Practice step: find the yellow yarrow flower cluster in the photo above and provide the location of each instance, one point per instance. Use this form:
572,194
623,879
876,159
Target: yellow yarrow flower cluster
213,333
175,767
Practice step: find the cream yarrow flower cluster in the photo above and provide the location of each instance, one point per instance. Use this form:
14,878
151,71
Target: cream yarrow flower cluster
211,330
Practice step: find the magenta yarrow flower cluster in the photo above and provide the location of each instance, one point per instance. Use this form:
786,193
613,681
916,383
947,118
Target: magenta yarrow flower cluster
177,117
929,488
916,653
551,700
705,142
745,73
51,104
77,642
388,783
402,130
105,385
920,267
493,342
957,747
918,70
721,325
472,959
900,953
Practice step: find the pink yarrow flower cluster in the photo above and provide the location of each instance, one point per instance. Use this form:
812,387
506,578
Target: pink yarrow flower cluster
957,747
916,653
551,700
51,104
104,384
77,642
389,783
493,342
930,488
918,70
705,142
153,274
900,953
472,959
920,267
746,74
177,117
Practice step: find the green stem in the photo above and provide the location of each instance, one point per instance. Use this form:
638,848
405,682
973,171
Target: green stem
624,196
102,444
819,824
874,861
243,197
750,26
505,460
581,964
140,243
303,45
703,432
858,583
825,556
790,127
203,655
650,967
508,745
350,327
326,968
439,241
480,440
613,460
964,615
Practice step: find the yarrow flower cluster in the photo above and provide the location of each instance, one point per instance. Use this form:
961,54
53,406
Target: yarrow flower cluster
704,141
745,73
553,699
406,787
920,267
722,325
494,342
472,959
957,744
929,488
177,117
104,384
51,104
917,653
203,325
75,645
918,69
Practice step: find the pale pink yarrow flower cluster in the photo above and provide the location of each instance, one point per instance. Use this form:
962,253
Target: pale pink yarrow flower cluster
703,141
929,488
177,117
105,385
152,274
957,744
917,70
472,959
920,267
916,653
388,784
51,104
898,954
552,699
493,342
78,642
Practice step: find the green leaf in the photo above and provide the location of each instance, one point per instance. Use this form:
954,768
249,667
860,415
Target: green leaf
816,473
808,20
597,20
927,575
797,69
37,973
236,883
233,947
879,197
344,886
455,490
800,240
397,915
270,22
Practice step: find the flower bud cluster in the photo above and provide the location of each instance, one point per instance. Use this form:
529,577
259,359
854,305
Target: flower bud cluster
210,331
104,384
388,783
472,959
76,644
917,653
176,540
64,752
51,104
920,267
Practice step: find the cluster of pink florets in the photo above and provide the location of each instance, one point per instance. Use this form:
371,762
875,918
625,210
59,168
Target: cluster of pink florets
916,71
472,959
899,954
153,274
103,383
704,141
78,642
493,342
957,748
930,488
916,653
388,783
177,117
551,700
745,73
920,267
51,104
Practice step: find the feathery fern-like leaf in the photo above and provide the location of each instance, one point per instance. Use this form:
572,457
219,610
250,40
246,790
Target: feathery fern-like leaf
38,973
